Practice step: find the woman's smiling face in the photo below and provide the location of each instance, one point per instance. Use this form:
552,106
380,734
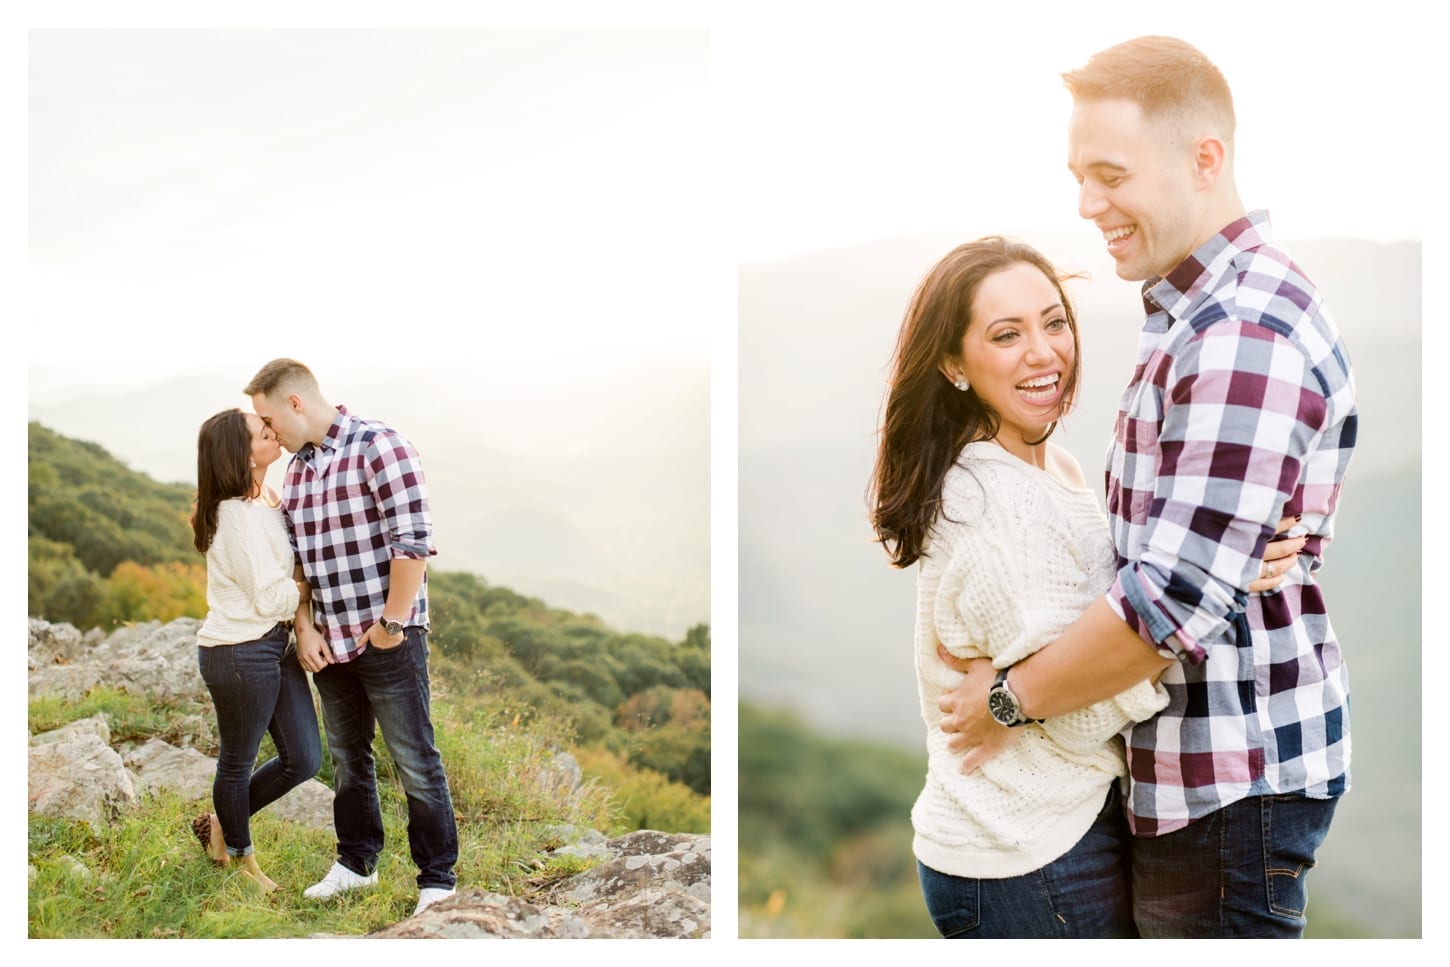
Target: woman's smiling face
1018,351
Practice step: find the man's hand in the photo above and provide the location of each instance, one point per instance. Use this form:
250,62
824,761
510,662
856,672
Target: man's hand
313,651
377,638
968,723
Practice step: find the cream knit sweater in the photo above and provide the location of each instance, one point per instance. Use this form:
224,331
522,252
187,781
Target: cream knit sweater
249,586
1014,558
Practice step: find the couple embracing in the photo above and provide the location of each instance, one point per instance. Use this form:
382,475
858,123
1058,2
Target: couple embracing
1136,725
328,577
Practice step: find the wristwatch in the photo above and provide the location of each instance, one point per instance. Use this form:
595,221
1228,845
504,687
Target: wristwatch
1003,704
390,626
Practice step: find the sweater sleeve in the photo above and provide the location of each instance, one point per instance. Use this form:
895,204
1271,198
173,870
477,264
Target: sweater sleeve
244,556
1013,583
980,604
1088,728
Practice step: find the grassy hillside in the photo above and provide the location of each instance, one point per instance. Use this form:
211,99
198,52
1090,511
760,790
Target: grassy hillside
109,545
146,877
512,679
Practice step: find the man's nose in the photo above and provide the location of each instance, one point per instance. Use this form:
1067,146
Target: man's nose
1090,201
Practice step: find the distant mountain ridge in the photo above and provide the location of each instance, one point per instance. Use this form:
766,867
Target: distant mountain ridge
609,513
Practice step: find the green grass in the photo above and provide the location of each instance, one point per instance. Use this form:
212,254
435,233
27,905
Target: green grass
145,876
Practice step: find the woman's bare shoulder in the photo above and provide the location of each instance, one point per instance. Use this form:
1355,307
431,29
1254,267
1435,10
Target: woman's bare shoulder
1063,466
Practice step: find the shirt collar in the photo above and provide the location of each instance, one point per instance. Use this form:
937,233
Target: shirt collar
334,435
1198,273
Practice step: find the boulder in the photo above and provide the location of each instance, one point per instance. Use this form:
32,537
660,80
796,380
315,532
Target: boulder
652,885
78,776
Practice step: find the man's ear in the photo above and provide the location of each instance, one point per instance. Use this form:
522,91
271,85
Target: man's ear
294,402
1209,156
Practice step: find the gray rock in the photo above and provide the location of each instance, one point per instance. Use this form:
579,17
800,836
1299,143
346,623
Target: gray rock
159,765
79,777
644,860
587,844
654,885
144,659
95,725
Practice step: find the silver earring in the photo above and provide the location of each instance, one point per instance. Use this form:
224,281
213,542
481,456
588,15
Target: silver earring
963,385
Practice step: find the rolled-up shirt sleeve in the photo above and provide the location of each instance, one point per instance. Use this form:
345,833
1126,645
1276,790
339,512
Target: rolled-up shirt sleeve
1241,410
395,474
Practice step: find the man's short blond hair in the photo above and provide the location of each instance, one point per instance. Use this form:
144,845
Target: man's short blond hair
281,374
1174,84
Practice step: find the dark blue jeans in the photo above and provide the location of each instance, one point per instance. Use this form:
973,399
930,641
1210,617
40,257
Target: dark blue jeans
258,688
1083,893
389,688
1239,872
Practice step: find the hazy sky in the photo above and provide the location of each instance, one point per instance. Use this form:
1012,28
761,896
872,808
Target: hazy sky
531,204
904,124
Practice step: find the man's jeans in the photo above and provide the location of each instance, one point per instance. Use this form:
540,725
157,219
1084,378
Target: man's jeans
1083,893
389,687
258,688
1238,872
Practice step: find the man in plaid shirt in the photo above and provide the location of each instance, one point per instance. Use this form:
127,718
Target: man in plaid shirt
1241,410
357,508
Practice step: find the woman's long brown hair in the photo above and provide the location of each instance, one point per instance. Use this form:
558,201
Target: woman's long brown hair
928,420
223,470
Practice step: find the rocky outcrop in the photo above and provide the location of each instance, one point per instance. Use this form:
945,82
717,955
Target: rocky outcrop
74,772
651,885
77,772
643,885
145,659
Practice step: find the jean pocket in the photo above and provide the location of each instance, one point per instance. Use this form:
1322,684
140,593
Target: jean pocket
952,902
400,646
1294,828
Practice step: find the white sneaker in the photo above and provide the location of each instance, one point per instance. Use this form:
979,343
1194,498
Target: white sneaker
430,895
339,879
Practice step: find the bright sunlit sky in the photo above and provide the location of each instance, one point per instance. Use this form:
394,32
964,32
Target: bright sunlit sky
901,124
527,202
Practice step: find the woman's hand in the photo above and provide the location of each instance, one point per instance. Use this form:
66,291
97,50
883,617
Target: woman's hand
1278,558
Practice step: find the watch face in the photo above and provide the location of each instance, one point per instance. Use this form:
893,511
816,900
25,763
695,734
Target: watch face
1002,705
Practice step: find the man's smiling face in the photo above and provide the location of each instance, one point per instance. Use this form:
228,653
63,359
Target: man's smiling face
1136,186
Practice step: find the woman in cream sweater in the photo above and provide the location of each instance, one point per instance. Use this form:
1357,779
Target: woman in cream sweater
244,648
1011,547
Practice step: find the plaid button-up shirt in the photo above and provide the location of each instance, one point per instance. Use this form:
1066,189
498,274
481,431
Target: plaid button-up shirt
354,504
1241,410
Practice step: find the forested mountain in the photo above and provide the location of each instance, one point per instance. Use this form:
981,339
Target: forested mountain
108,545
